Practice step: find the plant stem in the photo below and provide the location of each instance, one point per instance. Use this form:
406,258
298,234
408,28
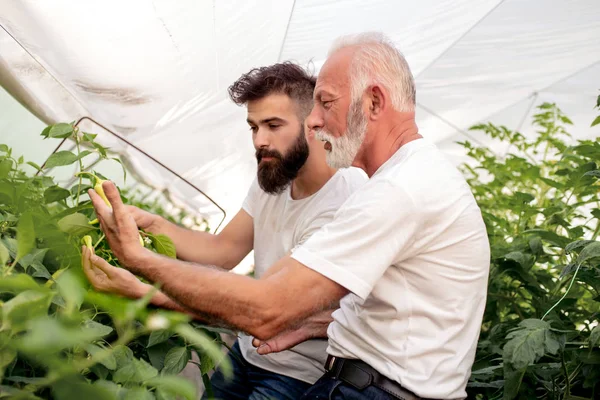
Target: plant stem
75,131
99,240
567,393
564,295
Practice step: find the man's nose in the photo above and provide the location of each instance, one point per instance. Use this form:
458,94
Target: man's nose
261,139
314,121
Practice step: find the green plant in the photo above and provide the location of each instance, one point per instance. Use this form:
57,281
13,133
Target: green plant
59,338
540,203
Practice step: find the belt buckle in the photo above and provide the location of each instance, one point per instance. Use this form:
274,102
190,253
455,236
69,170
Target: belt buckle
330,361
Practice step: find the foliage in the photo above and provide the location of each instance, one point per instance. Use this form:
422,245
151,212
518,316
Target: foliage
59,338
540,203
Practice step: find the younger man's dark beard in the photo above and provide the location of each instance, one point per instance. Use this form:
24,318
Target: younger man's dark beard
276,175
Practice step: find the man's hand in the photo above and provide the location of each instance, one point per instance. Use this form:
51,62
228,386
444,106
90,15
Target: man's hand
312,328
145,220
106,278
118,225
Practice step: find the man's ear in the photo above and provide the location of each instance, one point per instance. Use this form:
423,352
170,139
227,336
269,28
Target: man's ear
378,101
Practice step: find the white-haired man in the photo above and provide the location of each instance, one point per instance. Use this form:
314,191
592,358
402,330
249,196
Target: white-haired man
407,255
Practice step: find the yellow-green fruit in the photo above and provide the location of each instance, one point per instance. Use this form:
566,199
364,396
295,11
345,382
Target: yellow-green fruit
98,188
87,240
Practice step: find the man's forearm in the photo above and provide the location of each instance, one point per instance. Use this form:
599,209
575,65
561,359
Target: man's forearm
262,308
205,292
161,300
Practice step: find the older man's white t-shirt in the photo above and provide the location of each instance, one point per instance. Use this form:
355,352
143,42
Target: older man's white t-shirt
281,224
411,247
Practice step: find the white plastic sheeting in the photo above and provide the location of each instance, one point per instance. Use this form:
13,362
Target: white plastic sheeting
157,72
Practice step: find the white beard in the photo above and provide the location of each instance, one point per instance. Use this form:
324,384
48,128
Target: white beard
345,148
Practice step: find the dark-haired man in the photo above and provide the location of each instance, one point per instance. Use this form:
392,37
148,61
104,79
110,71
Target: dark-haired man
294,195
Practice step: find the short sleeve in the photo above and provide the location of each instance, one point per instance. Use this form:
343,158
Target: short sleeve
249,204
367,235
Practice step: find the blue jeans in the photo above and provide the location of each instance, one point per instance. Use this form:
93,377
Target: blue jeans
253,383
329,388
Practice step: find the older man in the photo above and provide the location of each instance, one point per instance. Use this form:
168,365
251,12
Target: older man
407,254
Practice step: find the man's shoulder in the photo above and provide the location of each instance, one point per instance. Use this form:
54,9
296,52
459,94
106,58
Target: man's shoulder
349,179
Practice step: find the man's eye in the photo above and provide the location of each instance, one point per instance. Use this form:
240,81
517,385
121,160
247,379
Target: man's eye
253,129
326,104
274,126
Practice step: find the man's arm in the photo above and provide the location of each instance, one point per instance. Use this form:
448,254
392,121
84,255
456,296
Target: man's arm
225,249
262,308
312,327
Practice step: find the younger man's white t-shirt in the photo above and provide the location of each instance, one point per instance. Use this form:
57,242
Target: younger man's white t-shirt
280,225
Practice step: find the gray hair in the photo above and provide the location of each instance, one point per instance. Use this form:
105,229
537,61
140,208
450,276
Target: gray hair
377,60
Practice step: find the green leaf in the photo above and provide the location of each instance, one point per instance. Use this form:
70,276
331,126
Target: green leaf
77,389
55,193
592,250
61,158
7,355
5,168
101,149
206,364
201,342
18,283
577,245
550,237
164,245
98,328
122,167
20,160
111,387
75,224
512,382
60,131
48,335
89,137
596,213
159,336
25,235
100,370
83,154
176,360
4,148
136,371
157,354
123,355
71,287
595,336
102,355
596,121
4,256
595,173
29,304
138,393
46,132
7,192
520,197
173,385
34,165
528,343
535,244
34,260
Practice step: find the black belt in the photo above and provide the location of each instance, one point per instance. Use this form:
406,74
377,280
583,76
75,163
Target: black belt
360,375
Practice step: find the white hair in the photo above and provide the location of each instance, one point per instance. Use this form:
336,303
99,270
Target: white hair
378,61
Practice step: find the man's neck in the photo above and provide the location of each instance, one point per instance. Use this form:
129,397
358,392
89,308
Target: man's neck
311,178
385,143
